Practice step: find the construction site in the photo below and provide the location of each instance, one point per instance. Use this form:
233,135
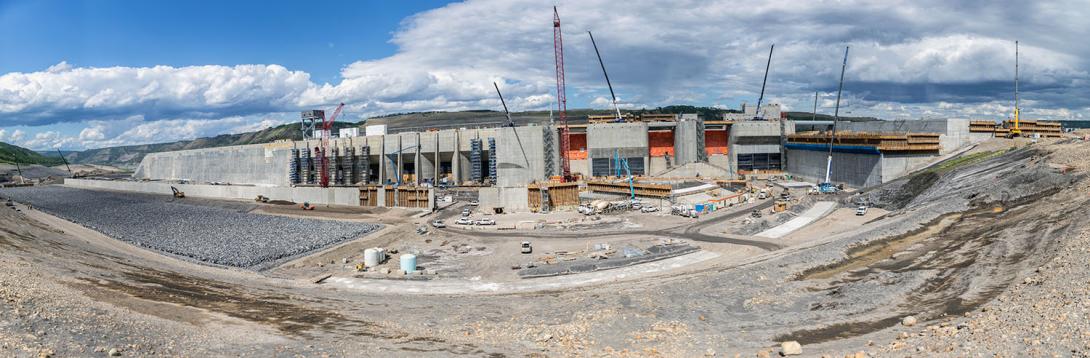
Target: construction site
668,235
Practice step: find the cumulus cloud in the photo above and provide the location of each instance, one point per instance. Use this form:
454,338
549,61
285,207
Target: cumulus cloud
909,60
66,94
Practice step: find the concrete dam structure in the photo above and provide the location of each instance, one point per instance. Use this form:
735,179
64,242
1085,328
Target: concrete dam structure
503,161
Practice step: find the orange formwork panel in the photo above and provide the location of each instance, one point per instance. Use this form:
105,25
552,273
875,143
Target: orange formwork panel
660,143
715,141
577,146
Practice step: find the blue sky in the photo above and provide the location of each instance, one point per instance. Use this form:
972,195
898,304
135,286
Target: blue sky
319,37
90,74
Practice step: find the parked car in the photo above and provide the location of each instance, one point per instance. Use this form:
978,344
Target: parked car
474,203
637,205
466,212
861,210
649,209
526,248
486,221
438,224
464,221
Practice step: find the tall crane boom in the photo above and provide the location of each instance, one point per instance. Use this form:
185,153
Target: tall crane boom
606,74
765,81
510,123
827,185
561,98
323,161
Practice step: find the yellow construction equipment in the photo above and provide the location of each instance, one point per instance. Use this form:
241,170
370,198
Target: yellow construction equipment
177,193
780,206
1015,130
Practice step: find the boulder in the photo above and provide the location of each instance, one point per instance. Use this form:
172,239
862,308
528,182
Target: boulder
791,348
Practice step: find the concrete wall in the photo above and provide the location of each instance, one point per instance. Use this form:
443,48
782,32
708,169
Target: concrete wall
685,143
512,199
520,156
606,140
852,169
897,165
259,164
750,137
581,166
313,195
603,140
720,160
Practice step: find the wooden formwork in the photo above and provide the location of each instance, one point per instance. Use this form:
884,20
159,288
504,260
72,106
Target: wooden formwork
626,117
406,197
412,197
982,126
369,195
658,117
885,142
641,189
560,195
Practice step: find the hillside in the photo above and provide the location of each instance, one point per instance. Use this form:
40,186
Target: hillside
9,154
130,156
806,116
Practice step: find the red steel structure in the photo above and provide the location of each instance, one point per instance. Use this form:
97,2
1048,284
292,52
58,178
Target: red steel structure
323,161
561,98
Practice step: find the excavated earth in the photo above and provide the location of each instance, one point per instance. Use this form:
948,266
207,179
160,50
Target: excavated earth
972,241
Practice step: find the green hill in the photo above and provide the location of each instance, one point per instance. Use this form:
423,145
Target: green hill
10,154
130,156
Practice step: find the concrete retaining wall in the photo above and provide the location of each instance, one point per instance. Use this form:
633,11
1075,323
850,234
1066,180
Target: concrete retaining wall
317,196
260,164
896,166
514,199
852,169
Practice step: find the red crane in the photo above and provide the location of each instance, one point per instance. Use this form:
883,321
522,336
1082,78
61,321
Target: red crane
327,127
561,98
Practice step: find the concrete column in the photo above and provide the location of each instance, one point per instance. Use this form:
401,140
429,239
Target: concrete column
382,161
400,152
435,173
456,160
416,162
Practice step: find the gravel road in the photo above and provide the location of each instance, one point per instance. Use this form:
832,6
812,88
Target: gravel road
219,234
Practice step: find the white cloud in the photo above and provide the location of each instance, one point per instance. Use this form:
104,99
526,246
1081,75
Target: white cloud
908,60
63,93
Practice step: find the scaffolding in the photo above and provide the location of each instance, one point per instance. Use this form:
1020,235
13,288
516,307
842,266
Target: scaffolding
293,167
475,160
364,165
349,163
491,160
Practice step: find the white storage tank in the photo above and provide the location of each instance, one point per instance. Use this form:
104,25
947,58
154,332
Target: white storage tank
408,263
371,258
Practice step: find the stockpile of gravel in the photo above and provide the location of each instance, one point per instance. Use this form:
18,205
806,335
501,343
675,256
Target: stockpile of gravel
215,234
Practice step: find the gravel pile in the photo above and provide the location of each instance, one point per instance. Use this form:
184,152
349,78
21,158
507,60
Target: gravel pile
218,234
